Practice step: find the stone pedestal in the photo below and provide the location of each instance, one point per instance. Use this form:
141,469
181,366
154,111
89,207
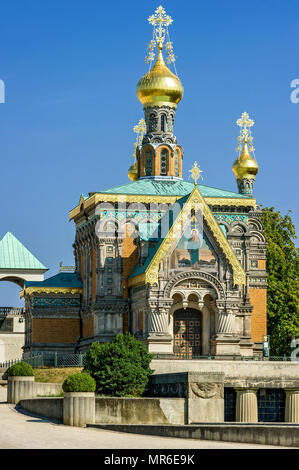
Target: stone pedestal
227,345
205,397
292,406
246,405
79,408
20,388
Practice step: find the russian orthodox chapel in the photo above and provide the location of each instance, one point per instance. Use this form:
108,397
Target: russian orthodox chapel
180,265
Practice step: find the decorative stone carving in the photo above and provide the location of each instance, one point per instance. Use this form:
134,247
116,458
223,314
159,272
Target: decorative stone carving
196,275
207,390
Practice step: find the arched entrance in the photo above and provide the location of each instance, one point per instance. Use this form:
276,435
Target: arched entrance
187,333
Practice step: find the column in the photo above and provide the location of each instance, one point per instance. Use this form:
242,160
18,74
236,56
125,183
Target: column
292,406
246,405
159,322
226,323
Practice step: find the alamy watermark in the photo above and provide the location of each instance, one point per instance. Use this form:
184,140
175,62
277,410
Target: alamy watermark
2,91
156,220
294,95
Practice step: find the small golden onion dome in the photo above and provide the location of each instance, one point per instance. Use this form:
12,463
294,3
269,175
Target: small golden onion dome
133,172
245,167
160,86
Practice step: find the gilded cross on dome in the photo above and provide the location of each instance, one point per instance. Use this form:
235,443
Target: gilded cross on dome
160,22
196,173
140,129
245,123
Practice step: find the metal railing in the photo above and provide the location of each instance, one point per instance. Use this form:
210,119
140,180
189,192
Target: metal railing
11,311
228,358
49,359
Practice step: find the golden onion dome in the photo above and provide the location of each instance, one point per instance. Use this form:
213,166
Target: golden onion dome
160,86
245,167
133,172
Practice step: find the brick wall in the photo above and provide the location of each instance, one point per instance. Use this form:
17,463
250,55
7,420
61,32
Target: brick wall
258,299
130,257
261,264
55,330
88,327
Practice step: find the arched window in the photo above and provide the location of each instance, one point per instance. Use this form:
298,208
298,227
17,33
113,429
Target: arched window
163,162
152,123
163,121
148,163
170,123
176,163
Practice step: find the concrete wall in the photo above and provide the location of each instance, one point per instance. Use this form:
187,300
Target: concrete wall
252,434
46,407
11,345
41,388
19,388
140,410
116,410
237,373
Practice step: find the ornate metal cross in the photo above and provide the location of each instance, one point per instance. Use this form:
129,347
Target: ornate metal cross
196,173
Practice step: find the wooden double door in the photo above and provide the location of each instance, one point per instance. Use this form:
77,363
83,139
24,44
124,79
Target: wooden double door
187,333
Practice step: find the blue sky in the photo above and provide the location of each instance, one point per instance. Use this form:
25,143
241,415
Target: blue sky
70,69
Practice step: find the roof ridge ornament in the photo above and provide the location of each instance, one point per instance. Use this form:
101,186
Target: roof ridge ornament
195,173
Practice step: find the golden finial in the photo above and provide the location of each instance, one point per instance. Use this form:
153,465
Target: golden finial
160,21
140,129
196,173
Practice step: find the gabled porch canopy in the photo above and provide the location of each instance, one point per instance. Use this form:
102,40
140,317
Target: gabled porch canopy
17,263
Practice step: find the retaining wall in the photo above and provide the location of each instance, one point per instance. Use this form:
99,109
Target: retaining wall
46,407
140,410
276,435
281,373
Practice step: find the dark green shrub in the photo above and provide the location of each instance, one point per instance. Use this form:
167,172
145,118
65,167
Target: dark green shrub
120,368
80,382
20,369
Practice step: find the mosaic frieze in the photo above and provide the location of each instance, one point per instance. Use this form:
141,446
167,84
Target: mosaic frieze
230,218
56,302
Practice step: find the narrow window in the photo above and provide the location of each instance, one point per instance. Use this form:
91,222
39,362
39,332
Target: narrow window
163,119
148,163
152,123
163,162
176,163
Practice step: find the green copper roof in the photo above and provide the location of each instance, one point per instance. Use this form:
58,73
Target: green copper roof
153,187
59,280
14,255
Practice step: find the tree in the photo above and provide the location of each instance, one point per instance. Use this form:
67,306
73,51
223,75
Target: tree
283,282
120,368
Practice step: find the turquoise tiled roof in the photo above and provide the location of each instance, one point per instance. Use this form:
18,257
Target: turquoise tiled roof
169,188
14,255
59,280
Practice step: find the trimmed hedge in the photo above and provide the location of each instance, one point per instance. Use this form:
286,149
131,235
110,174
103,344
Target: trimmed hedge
120,368
81,382
20,369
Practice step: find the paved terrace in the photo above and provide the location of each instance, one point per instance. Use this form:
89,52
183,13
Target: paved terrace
20,431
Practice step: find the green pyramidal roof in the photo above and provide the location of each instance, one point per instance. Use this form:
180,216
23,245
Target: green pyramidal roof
181,188
14,255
